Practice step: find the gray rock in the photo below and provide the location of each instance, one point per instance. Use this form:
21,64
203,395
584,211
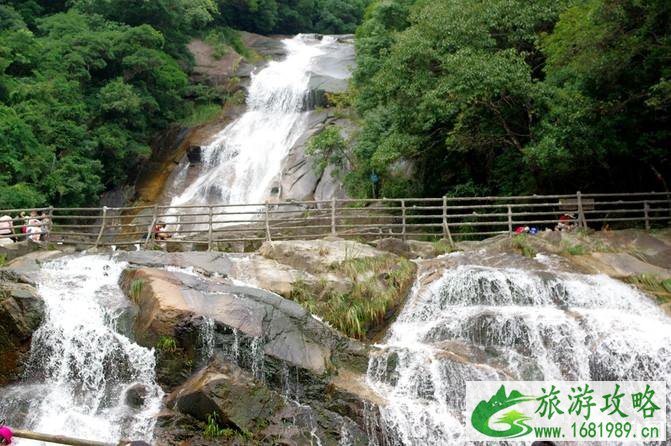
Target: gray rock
329,186
290,333
21,313
207,263
238,401
298,178
135,395
317,256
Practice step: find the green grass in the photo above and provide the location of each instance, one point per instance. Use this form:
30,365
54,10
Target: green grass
221,39
521,243
652,284
577,250
379,285
3,260
166,344
213,430
136,288
441,247
201,114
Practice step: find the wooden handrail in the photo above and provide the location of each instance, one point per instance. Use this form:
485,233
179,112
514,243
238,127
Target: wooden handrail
444,217
61,439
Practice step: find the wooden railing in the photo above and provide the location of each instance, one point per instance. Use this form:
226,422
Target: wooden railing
450,218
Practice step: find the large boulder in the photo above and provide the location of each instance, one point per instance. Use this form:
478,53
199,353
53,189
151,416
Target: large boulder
230,394
268,274
317,256
207,263
289,333
21,313
251,412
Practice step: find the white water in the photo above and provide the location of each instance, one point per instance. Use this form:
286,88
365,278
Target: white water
239,166
80,365
478,323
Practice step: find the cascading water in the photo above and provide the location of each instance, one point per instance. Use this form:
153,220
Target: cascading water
479,323
239,166
80,365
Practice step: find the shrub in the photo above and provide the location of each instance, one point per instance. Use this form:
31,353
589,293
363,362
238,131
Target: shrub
521,243
166,344
379,286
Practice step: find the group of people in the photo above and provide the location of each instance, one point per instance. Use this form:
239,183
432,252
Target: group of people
34,227
566,224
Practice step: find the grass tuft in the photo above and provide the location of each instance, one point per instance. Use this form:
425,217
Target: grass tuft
521,243
379,286
652,284
201,114
136,288
166,344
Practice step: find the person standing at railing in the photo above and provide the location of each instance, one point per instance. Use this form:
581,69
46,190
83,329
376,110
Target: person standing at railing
6,230
45,223
34,230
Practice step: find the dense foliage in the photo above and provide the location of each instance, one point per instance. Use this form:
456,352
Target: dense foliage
85,84
511,96
292,16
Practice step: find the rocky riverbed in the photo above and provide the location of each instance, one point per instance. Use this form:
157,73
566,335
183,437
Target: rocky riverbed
246,346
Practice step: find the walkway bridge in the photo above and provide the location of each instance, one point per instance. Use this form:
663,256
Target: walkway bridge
217,227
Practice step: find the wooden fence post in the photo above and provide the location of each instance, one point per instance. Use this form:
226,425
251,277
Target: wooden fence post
151,226
403,214
268,238
510,221
646,214
102,227
334,233
446,228
581,214
209,228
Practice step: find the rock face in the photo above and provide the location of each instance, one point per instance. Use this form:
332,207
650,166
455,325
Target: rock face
21,313
317,256
299,179
291,334
263,351
237,401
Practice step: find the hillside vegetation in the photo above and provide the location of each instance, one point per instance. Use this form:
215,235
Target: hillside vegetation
85,84
513,97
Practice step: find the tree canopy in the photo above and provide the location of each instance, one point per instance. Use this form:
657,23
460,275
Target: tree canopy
510,96
85,84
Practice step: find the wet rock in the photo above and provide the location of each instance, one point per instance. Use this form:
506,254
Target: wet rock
194,154
26,267
11,250
207,263
228,392
290,333
135,395
241,403
21,313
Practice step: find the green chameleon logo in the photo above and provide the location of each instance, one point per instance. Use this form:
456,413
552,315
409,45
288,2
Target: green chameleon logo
486,410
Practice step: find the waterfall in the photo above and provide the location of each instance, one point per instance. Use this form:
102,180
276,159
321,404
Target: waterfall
239,166
80,364
479,323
